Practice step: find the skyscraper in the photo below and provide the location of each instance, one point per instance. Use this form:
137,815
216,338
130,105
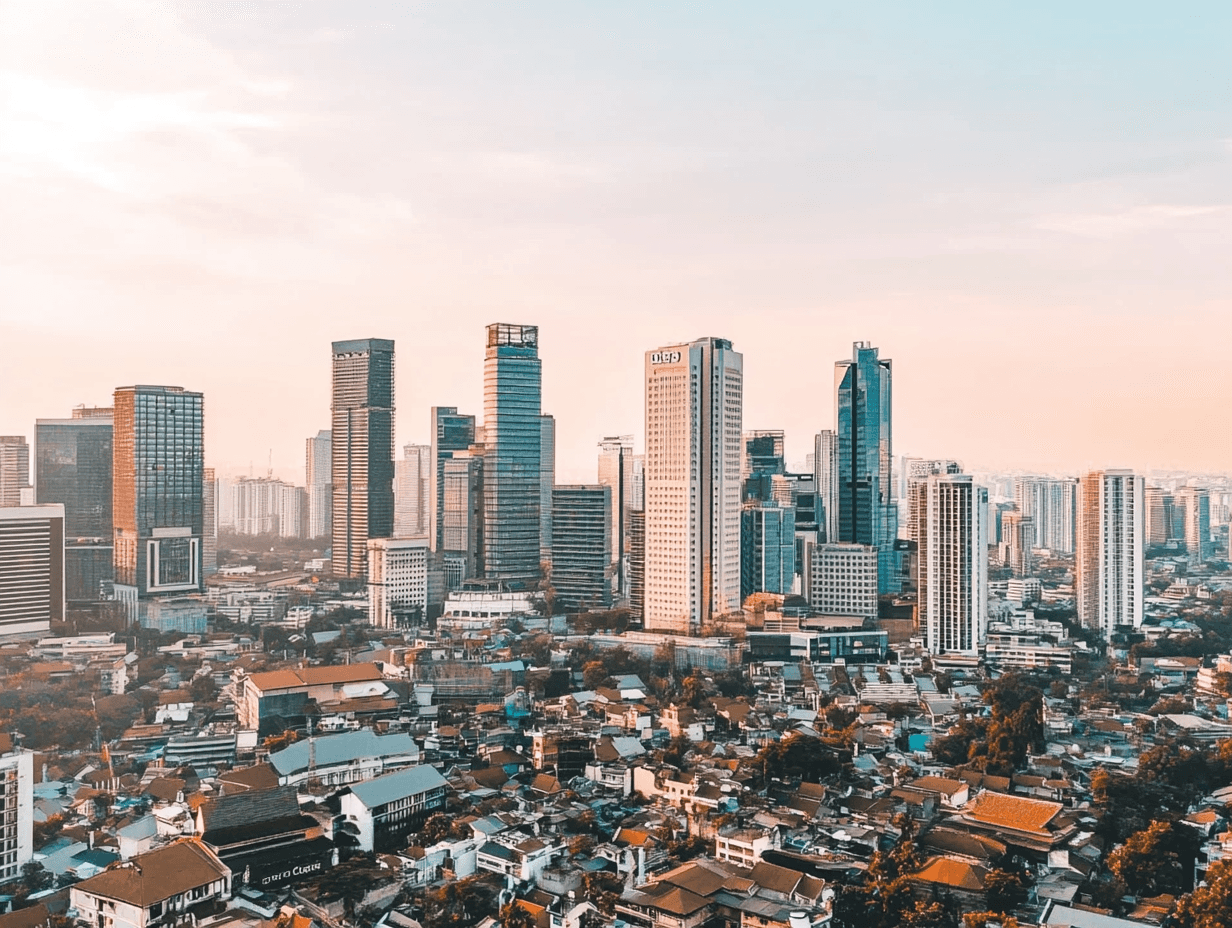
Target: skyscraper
1108,577
867,513
31,568
1018,543
767,548
73,467
513,453
582,546
412,498
14,468
1196,504
637,562
362,450
616,471
451,433
825,479
918,470
953,594
694,402
158,505
547,480
762,459
318,472
461,520
209,516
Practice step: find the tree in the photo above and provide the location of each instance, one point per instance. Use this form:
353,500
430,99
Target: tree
513,915
203,688
1210,905
1005,889
594,675
989,920
435,829
35,877
1158,860
798,756
694,690
677,750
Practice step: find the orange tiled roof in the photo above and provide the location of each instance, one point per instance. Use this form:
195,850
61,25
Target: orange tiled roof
946,871
1015,812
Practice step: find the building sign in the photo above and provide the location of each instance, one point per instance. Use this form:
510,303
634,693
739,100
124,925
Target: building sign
292,865
664,357
290,873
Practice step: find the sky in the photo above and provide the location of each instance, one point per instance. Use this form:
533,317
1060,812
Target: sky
1027,207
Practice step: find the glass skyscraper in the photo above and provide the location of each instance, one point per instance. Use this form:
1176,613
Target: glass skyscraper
512,495
867,512
767,548
157,491
362,452
73,467
451,433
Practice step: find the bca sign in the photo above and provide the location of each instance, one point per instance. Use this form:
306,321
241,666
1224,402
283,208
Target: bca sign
665,357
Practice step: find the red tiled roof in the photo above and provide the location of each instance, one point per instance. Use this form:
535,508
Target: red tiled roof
1015,812
946,871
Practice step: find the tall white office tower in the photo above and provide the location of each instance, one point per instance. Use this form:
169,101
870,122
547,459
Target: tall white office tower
413,476
616,471
1196,503
953,555
694,400
1051,504
1109,563
825,479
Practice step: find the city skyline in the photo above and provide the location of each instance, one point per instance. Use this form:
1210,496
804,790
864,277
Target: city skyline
1007,221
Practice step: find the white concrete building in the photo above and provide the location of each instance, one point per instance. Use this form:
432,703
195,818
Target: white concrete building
841,579
380,813
1108,569
31,568
397,578
414,474
953,564
694,402
17,802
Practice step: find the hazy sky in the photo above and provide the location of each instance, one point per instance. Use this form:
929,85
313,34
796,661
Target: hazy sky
1028,207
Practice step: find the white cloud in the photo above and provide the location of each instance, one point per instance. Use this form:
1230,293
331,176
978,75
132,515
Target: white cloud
1133,221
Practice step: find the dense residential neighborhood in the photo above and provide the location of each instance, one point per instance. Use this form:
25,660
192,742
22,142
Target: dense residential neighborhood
563,771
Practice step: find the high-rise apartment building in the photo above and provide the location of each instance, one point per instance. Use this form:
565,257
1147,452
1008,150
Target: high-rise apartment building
1018,543
14,469
513,453
73,467
397,579
616,471
547,480
1160,517
917,471
31,568
694,403
767,548
318,474
841,579
412,499
451,433
867,512
1052,505
16,809
362,450
582,546
158,505
825,479
1108,576
1196,505
953,555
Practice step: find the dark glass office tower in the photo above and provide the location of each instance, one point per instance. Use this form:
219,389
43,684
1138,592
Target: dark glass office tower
73,467
362,453
451,433
512,396
867,513
157,491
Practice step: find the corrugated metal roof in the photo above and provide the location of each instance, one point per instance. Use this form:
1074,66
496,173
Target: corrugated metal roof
394,786
342,749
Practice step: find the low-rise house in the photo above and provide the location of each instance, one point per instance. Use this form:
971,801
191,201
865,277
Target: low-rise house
745,846
163,887
516,855
378,814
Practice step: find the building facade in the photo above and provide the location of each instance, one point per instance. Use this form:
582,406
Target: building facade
411,500
841,579
318,477
637,562
158,504
767,548
953,557
867,512
14,469
451,433
1018,543
513,454
1108,574
694,403
1051,504
16,808
73,467
1196,504
397,580
582,546
825,482
616,471
362,450
462,511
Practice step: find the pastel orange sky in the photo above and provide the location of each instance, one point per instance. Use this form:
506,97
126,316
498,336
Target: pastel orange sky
1029,211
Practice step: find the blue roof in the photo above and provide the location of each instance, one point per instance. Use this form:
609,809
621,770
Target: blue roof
394,786
332,750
